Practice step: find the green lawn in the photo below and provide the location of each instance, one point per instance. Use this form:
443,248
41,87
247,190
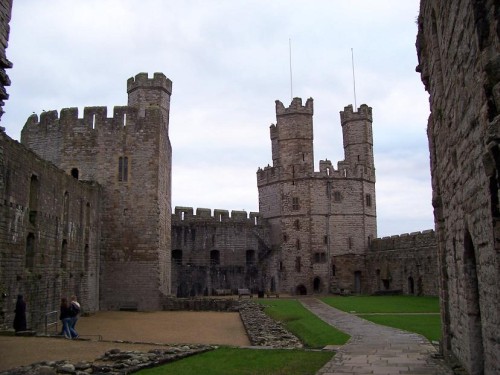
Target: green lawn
311,330
409,313
384,304
235,361
428,325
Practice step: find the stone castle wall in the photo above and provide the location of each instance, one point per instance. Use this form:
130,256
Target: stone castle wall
218,252
406,263
458,48
129,155
50,235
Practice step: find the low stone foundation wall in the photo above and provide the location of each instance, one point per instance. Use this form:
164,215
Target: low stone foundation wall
200,304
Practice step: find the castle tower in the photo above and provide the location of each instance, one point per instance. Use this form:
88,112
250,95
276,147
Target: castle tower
320,221
144,92
292,137
130,156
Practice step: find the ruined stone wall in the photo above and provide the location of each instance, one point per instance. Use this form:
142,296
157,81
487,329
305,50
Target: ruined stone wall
129,154
49,235
458,47
219,251
316,216
406,263
5,13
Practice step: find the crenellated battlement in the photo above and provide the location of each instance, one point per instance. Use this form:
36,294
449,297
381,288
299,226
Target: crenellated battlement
295,107
364,113
414,240
186,214
158,82
94,118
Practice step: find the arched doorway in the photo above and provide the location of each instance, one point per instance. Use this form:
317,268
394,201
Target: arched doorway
357,282
317,285
411,285
473,310
301,290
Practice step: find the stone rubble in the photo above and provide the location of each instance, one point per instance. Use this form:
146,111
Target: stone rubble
263,330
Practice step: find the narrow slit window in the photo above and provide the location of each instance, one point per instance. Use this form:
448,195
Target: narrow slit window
123,168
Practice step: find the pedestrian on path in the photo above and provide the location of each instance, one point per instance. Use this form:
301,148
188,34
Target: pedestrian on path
75,314
65,317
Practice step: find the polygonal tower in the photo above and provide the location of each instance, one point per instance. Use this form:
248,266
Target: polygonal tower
321,222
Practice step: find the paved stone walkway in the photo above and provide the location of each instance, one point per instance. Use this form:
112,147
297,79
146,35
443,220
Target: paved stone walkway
376,349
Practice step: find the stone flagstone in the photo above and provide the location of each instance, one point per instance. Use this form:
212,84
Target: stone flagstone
376,349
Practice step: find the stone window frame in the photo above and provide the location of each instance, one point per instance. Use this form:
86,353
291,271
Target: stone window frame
368,200
337,196
123,168
295,204
298,264
30,251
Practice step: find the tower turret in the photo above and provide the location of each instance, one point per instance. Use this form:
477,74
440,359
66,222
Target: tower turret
292,136
358,141
144,92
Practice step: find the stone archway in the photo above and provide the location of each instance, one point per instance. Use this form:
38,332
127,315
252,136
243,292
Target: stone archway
411,285
301,290
473,309
317,285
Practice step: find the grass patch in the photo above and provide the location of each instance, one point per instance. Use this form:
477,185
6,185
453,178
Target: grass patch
311,330
237,361
393,310
428,326
385,304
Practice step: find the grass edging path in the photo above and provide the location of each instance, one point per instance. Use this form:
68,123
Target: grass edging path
310,329
410,313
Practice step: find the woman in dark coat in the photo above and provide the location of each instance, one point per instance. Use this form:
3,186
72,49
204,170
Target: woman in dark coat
20,314
65,318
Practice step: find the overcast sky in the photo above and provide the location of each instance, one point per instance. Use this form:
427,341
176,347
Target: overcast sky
229,61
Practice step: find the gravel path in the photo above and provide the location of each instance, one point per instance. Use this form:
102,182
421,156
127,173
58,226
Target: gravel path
164,327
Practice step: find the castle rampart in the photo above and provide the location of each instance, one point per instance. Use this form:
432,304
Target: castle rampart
50,231
407,263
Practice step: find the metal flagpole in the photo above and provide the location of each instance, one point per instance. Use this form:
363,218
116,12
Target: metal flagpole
290,55
354,80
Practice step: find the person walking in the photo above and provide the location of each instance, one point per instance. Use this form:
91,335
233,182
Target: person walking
20,314
75,314
65,318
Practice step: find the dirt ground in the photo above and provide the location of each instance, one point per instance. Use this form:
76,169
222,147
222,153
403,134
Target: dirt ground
147,328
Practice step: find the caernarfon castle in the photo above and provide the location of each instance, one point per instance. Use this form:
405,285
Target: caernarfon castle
85,201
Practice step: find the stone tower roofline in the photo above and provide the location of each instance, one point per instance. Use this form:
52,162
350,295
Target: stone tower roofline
295,107
364,113
158,82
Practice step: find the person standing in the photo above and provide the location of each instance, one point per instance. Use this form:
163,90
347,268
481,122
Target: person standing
65,318
20,314
75,314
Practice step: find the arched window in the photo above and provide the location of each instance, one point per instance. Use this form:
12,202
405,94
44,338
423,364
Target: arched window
64,254
30,251
214,257
86,255
250,257
177,256
33,203
74,173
